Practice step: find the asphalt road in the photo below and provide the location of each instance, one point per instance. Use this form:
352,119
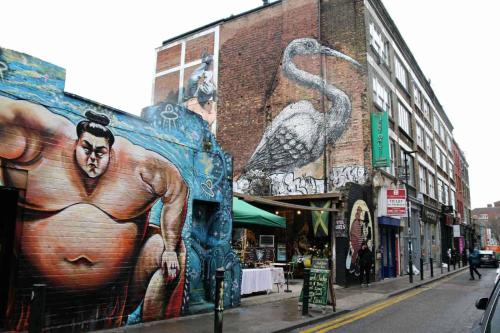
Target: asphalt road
443,306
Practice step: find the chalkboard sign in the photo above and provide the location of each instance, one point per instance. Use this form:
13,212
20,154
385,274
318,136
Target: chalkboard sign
319,263
318,286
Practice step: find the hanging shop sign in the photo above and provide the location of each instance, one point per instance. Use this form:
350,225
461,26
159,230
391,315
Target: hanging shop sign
340,228
396,202
456,231
430,215
380,140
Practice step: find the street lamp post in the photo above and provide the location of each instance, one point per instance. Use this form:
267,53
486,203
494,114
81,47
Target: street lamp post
410,260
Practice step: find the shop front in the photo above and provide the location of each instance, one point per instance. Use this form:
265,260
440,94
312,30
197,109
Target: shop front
389,228
446,223
431,242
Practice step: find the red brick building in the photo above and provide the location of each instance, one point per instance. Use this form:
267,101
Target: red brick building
289,89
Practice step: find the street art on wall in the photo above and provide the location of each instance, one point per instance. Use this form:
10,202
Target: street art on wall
360,230
107,213
299,134
287,183
201,92
340,176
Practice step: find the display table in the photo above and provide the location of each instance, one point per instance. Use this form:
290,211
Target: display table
256,279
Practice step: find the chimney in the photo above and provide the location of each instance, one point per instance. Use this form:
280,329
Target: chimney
490,205
497,203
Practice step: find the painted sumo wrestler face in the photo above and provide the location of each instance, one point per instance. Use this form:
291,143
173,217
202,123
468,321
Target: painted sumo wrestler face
92,154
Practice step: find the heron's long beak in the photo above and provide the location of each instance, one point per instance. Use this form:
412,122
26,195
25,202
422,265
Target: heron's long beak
328,51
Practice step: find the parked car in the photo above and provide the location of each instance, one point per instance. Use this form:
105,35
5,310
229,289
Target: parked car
488,258
490,321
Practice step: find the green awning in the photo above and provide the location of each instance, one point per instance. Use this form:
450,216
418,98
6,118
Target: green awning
246,214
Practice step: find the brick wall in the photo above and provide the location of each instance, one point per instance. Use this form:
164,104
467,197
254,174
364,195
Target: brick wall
253,88
98,189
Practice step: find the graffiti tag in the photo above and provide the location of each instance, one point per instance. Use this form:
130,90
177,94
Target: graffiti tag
288,183
339,176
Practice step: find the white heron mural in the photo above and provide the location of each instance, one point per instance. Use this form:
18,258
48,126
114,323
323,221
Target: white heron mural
299,134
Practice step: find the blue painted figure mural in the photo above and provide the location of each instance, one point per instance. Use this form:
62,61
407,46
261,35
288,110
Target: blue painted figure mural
107,204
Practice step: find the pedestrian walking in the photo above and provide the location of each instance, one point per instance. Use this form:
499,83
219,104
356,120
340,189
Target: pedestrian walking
474,263
365,258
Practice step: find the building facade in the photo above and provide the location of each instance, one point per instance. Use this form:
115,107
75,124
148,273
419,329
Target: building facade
486,222
119,219
311,96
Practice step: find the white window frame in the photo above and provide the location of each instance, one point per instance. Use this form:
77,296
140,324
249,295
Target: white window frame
446,198
420,135
422,175
378,43
425,109
440,190
436,124
430,181
417,96
404,117
381,96
401,73
392,153
428,145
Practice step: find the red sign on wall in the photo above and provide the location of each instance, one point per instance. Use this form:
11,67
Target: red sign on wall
396,202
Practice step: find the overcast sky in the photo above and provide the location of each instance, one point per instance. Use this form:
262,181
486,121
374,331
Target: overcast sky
108,50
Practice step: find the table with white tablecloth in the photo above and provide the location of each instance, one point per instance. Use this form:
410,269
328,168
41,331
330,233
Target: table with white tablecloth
256,279
261,279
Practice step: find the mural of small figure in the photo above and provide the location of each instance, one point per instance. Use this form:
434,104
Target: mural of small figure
76,194
360,231
201,90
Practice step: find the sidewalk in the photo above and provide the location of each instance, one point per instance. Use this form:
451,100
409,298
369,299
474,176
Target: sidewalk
279,312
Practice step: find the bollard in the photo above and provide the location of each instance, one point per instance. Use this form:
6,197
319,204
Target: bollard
305,294
421,268
410,265
459,259
219,300
287,290
454,264
432,267
449,263
36,319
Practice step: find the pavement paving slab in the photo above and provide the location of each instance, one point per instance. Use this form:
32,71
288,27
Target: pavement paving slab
279,312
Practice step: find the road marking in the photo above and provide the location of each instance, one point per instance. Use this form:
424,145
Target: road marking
364,312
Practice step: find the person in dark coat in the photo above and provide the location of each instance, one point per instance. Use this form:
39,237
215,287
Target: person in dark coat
474,261
365,258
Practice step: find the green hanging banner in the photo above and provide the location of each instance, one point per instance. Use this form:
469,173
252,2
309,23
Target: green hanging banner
380,140
320,219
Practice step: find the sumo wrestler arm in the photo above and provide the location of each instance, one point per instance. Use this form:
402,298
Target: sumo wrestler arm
25,128
163,295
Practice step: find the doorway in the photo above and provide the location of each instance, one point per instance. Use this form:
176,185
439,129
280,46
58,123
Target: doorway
8,198
388,243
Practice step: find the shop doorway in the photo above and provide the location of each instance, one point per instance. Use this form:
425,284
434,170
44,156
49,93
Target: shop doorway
8,198
388,243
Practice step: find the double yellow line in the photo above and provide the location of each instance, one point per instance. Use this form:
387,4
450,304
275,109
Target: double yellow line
356,315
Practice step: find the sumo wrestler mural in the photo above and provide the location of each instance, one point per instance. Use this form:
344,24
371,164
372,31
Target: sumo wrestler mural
299,134
106,204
